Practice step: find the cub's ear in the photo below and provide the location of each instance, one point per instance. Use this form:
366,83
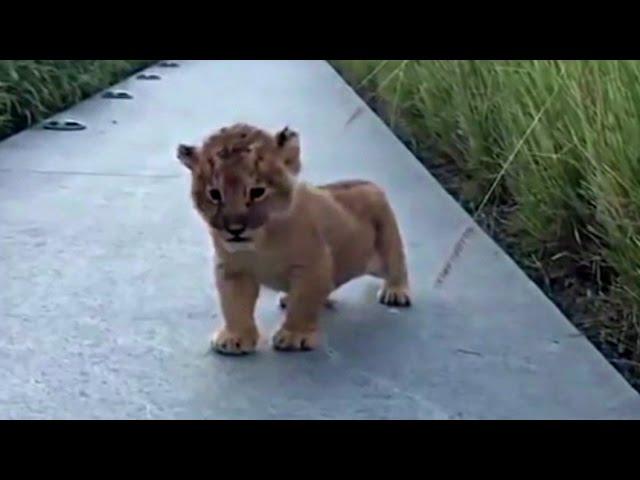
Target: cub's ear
289,142
187,155
286,136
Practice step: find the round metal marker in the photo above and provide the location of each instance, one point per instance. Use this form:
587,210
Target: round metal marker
63,125
117,95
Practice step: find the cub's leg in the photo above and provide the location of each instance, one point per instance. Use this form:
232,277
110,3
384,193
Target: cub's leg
238,294
310,287
283,300
395,291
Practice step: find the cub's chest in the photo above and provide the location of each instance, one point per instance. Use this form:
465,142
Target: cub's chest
269,269
272,272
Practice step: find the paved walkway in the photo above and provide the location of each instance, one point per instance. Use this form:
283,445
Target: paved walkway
106,304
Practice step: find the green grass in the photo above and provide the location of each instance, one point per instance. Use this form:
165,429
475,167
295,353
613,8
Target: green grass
30,90
556,141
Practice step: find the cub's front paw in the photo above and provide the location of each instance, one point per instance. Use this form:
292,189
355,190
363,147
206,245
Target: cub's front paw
235,343
290,340
394,296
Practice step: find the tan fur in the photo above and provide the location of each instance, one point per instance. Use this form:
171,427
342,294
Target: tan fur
297,238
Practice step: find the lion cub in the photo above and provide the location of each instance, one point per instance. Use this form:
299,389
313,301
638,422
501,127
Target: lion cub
270,229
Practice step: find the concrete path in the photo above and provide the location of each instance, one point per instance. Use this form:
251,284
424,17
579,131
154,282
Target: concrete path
106,301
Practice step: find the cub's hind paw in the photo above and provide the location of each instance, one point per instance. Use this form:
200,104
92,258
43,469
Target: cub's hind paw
394,296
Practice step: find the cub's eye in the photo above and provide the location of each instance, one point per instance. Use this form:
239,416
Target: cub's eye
256,193
215,195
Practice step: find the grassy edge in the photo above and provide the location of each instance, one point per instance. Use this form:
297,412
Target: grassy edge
32,90
445,167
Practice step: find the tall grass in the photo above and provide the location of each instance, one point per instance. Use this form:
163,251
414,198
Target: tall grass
33,89
557,140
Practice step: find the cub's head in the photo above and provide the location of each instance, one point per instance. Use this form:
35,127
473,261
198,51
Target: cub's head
242,176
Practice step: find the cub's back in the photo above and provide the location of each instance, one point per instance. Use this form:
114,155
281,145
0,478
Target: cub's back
362,198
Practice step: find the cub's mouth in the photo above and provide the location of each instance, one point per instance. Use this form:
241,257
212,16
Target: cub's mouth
238,239
238,244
